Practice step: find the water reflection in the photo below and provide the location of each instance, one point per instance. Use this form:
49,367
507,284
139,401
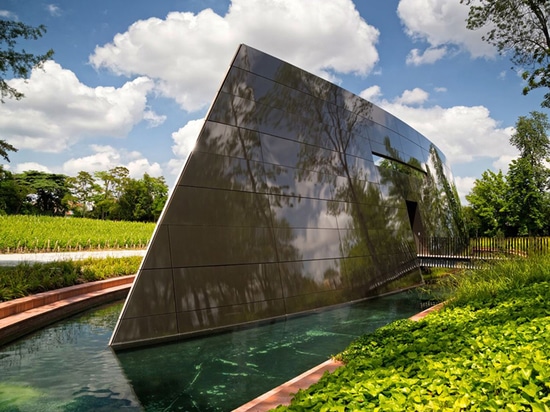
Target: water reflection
224,371
69,367
281,207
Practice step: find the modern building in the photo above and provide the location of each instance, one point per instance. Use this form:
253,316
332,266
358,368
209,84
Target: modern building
297,196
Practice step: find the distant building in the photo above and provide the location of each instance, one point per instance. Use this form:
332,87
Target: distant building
298,195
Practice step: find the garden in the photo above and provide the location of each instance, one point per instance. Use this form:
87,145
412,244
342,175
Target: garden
487,349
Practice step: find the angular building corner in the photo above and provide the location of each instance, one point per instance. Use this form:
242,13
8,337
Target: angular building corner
298,195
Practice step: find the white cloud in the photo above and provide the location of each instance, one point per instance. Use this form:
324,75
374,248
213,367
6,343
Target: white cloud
186,137
174,168
184,143
464,186
59,110
413,97
440,89
107,157
430,55
371,94
8,15
21,167
463,133
53,9
503,162
188,53
440,23
153,119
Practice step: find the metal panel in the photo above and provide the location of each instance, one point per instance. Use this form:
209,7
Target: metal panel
281,207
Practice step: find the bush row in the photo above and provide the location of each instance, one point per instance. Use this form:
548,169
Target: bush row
26,279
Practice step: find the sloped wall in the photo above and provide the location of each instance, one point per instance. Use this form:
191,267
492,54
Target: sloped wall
298,195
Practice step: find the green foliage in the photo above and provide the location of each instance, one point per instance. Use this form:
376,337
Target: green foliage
5,147
526,200
519,28
44,233
142,200
488,204
83,189
26,279
528,176
489,353
518,204
482,286
46,192
531,139
108,194
18,62
11,194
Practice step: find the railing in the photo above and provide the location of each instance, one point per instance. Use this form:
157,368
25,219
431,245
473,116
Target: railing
452,252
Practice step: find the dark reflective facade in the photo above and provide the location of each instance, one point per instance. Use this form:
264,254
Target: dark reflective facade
298,195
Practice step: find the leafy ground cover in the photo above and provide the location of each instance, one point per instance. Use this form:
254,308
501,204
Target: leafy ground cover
26,279
488,350
22,234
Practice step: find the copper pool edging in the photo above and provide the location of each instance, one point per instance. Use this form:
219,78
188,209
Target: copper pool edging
19,317
282,394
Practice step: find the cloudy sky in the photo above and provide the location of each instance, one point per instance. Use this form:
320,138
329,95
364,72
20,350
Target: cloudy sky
130,82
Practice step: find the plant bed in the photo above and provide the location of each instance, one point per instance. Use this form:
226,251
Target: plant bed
486,350
26,279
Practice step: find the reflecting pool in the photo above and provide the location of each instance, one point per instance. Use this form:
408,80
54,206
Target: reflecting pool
69,367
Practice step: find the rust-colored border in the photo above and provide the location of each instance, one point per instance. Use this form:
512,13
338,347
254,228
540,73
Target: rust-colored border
282,395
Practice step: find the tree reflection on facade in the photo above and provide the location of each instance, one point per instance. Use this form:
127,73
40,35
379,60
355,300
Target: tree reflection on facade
281,209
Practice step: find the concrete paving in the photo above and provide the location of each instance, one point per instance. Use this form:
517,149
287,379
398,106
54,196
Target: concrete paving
16,258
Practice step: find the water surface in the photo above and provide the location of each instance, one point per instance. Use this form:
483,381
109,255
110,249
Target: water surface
69,366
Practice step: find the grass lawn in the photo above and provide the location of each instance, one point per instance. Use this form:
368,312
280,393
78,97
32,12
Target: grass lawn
488,350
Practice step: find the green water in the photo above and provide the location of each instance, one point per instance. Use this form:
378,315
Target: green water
69,367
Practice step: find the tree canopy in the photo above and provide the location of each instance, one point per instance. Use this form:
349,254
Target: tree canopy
110,194
18,62
519,27
517,204
5,147
487,200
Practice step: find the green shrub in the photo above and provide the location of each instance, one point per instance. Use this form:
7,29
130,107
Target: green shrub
25,279
487,351
479,286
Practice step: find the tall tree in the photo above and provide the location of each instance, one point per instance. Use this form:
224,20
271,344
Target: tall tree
519,27
12,195
142,199
526,202
47,192
528,175
158,190
18,62
5,147
113,184
518,204
488,203
83,190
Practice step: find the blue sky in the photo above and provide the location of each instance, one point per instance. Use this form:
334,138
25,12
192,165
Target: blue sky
130,82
